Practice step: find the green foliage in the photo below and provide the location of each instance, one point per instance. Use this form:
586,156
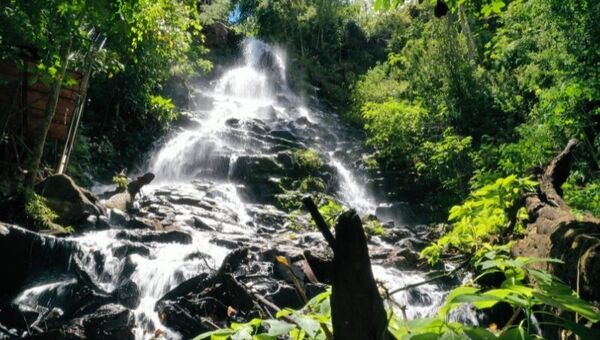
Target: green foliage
308,323
373,227
582,197
148,42
307,161
330,210
38,214
121,181
481,217
163,109
535,292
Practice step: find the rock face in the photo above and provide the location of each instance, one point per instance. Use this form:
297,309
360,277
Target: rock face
25,253
72,203
556,233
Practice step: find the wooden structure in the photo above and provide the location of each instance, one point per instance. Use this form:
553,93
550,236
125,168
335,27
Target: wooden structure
24,98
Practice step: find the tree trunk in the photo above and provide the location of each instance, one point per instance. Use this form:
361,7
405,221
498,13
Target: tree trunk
357,310
39,139
554,231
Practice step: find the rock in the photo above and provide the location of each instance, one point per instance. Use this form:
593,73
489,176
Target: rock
111,321
25,253
120,201
103,223
69,201
147,236
128,294
199,224
118,217
130,249
187,307
286,295
136,222
399,212
225,243
124,200
416,297
13,316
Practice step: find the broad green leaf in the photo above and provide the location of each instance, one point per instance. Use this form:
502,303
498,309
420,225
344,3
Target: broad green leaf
479,333
278,328
515,333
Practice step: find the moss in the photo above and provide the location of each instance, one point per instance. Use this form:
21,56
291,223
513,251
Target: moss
39,215
373,227
307,161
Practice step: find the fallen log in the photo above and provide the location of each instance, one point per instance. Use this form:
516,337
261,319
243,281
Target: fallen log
555,232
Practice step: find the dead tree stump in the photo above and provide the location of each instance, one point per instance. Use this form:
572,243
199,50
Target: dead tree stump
356,306
554,231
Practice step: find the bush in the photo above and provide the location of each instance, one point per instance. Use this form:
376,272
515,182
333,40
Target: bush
481,217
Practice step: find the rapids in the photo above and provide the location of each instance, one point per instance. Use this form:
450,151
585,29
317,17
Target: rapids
209,185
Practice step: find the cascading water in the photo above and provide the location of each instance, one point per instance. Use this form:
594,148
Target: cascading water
206,187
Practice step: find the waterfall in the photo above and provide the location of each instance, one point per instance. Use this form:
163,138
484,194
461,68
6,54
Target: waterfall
245,118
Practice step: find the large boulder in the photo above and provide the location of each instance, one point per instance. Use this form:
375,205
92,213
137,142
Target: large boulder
111,321
72,203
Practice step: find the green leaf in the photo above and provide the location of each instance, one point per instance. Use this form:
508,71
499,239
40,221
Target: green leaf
278,328
479,333
310,326
515,333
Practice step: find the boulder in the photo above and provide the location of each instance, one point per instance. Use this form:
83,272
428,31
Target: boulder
72,203
147,236
197,304
124,200
111,321
128,294
25,253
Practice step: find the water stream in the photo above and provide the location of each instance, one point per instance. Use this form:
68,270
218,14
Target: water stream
206,171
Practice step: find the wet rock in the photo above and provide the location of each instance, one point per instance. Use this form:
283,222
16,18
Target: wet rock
232,122
286,295
123,200
129,268
418,298
146,236
103,223
13,316
118,217
136,222
111,321
69,332
225,243
187,200
284,134
130,249
187,307
199,224
72,203
128,294
26,253
90,223
400,212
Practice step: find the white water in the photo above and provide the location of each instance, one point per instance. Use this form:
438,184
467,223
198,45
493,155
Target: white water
206,156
